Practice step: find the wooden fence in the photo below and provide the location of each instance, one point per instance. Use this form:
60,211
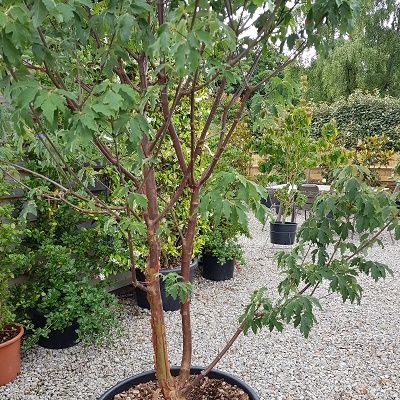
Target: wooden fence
314,175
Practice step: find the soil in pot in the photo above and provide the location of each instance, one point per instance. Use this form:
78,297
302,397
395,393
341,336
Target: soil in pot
283,233
169,303
218,386
210,389
215,271
10,353
57,339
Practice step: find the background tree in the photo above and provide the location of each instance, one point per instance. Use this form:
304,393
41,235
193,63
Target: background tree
368,59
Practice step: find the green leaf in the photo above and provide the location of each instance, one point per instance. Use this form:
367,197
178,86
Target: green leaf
126,23
29,208
226,209
88,120
113,100
3,20
10,51
49,103
27,96
205,37
103,109
135,199
67,12
49,4
180,58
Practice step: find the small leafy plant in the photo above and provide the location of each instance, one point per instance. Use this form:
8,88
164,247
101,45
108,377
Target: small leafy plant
223,247
59,291
8,241
327,256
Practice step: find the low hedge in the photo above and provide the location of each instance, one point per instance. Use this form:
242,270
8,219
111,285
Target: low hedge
361,115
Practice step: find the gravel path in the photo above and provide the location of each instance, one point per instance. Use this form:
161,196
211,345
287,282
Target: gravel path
353,352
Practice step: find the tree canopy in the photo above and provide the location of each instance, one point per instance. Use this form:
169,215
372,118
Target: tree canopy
367,59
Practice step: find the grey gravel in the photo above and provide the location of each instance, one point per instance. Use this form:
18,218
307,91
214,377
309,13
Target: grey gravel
352,354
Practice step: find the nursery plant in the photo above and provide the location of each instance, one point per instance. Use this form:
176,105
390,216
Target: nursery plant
58,294
373,151
289,151
10,332
57,291
326,259
85,77
222,251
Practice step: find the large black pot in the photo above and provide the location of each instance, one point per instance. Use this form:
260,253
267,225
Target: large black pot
150,375
283,233
215,271
57,339
169,304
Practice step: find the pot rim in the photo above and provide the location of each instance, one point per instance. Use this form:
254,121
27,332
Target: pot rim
175,371
283,223
192,265
15,338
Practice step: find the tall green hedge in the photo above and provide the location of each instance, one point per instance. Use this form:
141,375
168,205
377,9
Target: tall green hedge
361,115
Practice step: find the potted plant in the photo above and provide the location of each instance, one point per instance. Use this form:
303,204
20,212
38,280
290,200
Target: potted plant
289,151
157,55
10,332
221,252
61,303
10,335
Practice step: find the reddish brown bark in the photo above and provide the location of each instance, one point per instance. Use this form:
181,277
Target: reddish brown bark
187,252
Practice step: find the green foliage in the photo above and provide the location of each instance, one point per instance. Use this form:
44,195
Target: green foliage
360,116
267,104
86,77
9,240
373,151
59,259
368,60
237,154
228,196
289,150
223,246
397,169
94,249
327,253
224,205
57,289
176,287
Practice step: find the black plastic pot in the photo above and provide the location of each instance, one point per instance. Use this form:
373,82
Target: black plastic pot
283,233
266,202
150,375
215,271
169,304
58,339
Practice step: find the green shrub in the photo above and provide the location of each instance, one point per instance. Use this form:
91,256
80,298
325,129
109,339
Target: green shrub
359,116
62,294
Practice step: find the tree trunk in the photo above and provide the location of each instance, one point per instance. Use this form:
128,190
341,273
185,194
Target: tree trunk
159,337
187,254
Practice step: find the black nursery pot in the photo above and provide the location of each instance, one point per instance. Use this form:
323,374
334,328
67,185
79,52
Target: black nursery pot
58,339
215,271
150,375
169,304
283,233
266,202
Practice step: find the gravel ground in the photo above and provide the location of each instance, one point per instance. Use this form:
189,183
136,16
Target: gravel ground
353,352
